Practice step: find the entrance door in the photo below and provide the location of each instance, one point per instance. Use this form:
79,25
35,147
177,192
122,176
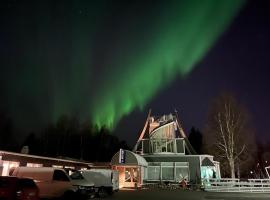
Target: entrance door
129,176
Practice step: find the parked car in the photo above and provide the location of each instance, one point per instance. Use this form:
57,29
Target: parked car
14,188
85,188
106,181
52,182
55,182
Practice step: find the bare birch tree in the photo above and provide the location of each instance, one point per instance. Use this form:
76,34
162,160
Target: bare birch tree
228,132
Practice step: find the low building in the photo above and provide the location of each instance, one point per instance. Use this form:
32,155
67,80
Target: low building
10,160
163,154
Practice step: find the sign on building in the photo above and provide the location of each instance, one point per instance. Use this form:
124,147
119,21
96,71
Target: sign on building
122,156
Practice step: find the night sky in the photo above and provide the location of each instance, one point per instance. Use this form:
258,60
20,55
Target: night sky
110,61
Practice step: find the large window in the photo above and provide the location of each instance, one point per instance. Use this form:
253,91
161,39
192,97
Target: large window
168,171
181,171
8,167
34,165
145,174
170,145
208,172
162,145
153,173
158,145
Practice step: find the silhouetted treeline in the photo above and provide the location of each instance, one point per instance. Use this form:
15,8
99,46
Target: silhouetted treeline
66,138
195,139
7,138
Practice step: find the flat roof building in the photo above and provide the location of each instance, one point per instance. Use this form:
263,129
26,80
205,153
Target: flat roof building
10,160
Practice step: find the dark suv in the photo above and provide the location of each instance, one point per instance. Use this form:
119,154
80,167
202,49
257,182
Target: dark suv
13,188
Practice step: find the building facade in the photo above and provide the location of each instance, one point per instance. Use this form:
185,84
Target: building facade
163,154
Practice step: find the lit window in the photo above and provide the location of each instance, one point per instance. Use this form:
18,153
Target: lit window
34,165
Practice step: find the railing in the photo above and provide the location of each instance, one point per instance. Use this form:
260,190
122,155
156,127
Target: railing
162,145
165,185
161,186
237,185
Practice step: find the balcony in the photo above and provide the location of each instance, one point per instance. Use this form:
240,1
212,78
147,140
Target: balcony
161,146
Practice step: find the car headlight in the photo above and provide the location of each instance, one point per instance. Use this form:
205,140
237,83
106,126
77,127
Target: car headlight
90,188
81,187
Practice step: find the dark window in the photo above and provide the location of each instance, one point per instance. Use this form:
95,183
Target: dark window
163,149
59,175
26,183
180,146
145,146
76,176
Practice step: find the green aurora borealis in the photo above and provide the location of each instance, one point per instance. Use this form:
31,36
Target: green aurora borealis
101,61
182,36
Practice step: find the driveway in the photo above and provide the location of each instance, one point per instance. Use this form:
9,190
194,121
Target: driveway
182,195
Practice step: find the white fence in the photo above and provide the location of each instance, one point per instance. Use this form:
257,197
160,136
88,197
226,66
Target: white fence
237,185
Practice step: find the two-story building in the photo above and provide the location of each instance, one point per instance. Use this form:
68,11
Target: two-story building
163,154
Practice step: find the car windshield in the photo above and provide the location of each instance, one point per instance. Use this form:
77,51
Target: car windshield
76,176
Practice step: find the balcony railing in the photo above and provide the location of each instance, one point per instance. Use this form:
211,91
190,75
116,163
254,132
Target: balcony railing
162,145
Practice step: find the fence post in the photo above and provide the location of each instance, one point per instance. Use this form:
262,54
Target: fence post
262,185
239,185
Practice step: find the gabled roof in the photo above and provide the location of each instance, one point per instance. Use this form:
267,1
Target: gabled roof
207,162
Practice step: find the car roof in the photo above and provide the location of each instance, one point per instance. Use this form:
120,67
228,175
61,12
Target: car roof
36,173
39,168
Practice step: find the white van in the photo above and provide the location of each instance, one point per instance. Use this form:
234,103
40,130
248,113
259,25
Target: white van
106,181
52,182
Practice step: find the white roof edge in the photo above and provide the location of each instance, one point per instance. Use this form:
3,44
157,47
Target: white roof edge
206,155
43,157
